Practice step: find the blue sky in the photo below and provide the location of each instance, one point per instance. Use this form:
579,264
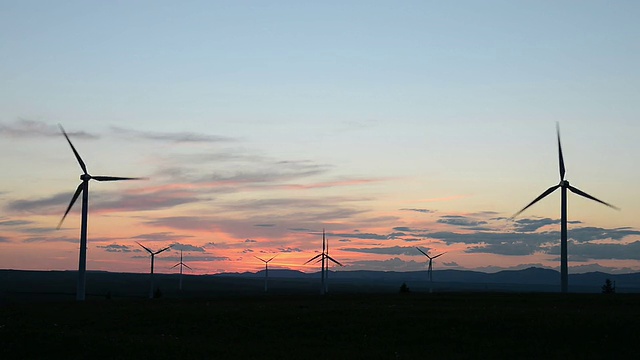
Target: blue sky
255,118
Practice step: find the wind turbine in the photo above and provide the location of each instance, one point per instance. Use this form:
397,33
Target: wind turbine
153,255
326,276
563,185
181,264
430,268
324,258
84,189
266,270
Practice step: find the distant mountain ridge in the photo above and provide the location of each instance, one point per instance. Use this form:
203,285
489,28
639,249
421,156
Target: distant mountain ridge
61,284
528,276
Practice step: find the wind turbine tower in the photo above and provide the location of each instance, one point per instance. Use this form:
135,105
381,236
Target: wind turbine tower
153,255
83,189
324,258
564,186
181,264
430,268
266,270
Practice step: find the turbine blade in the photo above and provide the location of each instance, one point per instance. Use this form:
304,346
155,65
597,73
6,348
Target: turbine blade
73,200
424,253
187,266
313,258
272,257
560,157
175,265
547,192
114,178
438,255
146,248
259,258
161,250
335,261
323,241
82,165
584,194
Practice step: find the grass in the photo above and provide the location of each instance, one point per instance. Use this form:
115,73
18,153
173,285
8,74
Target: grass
345,326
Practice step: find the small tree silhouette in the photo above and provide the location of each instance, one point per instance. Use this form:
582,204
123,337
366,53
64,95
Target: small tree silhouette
158,293
404,289
608,287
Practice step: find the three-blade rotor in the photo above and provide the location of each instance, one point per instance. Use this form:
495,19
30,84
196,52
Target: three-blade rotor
85,177
427,255
324,255
563,183
265,261
183,264
153,253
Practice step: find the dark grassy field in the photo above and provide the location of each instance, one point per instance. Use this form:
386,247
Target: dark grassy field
343,326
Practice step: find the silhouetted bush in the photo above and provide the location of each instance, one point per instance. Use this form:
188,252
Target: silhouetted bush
608,287
404,289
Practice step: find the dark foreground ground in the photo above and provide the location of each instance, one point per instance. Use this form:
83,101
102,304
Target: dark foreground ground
336,326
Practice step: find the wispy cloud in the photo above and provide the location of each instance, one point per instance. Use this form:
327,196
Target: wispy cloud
358,235
592,251
15,222
194,223
178,137
39,239
513,248
463,221
424,211
38,205
327,184
531,225
393,250
445,199
187,247
396,264
107,201
289,250
33,129
116,248
160,236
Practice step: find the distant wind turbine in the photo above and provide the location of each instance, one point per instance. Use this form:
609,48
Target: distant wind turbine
430,268
324,259
153,255
84,189
266,270
563,185
326,276
181,264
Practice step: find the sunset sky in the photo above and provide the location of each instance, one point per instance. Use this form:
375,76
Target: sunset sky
392,125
